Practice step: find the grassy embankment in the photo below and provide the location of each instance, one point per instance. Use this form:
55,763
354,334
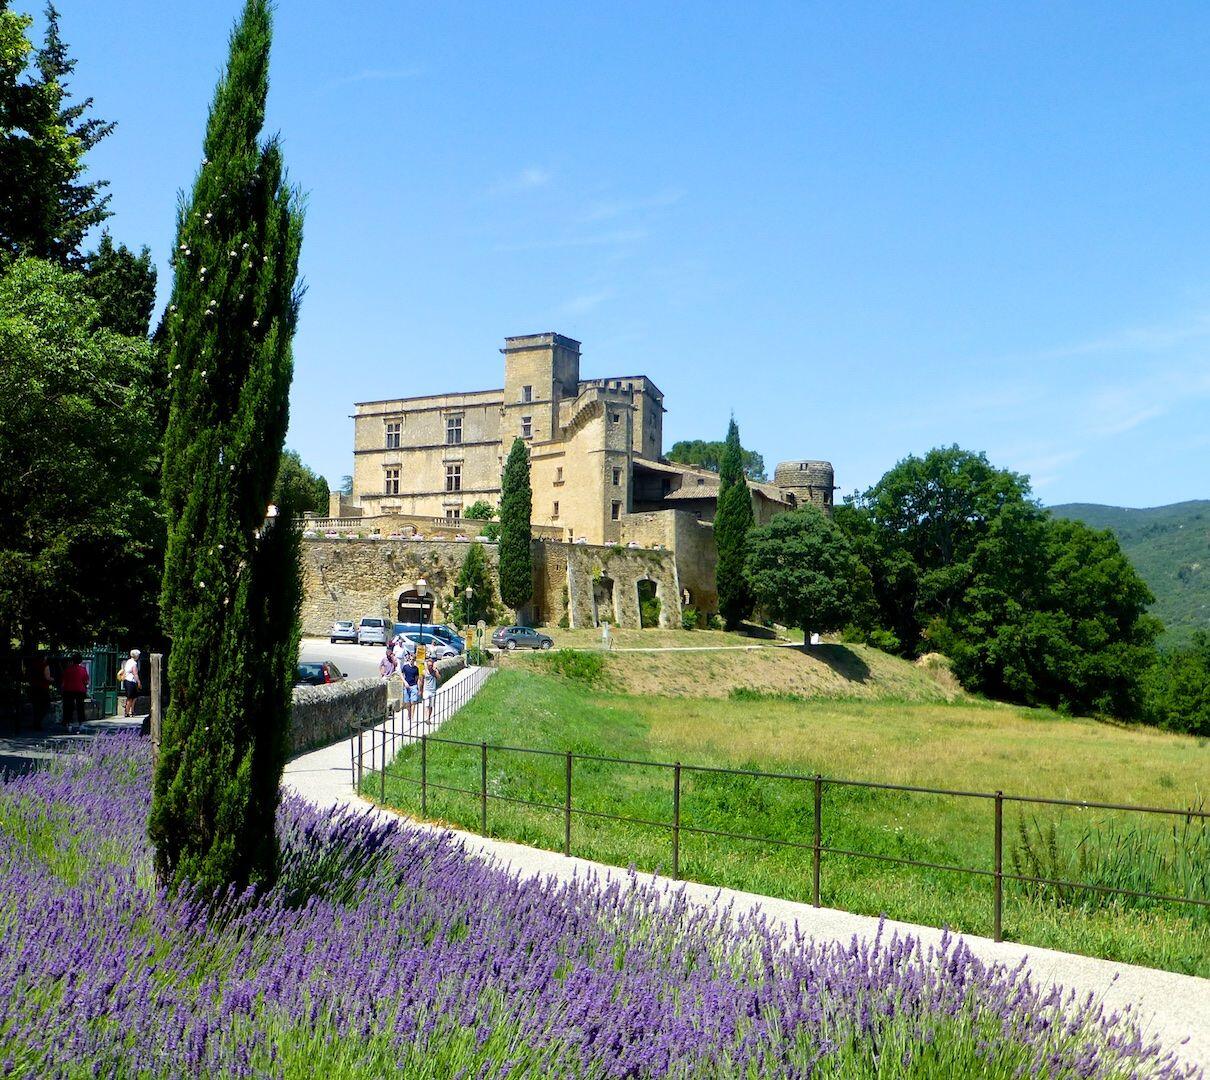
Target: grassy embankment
851,713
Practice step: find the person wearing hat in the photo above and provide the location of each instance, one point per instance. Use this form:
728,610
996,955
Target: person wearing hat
131,683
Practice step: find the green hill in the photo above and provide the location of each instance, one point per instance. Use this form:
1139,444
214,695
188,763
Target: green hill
1170,548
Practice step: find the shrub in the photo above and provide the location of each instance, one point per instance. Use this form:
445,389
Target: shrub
649,612
576,664
713,621
477,656
690,617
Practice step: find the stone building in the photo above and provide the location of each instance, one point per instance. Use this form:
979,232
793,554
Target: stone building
600,483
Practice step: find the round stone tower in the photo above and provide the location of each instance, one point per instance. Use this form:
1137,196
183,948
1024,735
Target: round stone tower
807,481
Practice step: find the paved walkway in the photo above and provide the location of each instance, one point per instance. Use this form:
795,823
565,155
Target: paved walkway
19,753
1170,1007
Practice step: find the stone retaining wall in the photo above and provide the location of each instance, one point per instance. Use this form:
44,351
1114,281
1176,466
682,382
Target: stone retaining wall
324,714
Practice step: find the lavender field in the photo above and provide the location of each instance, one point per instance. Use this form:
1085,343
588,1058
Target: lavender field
384,950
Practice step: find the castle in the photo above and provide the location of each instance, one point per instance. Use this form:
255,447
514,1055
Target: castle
601,485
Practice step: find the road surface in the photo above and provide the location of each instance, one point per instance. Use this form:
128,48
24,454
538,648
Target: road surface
356,661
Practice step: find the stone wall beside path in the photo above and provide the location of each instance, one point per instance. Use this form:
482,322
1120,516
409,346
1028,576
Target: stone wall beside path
324,714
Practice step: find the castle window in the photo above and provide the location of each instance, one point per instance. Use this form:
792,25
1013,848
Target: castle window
453,513
453,430
392,482
558,474
527,427
615,510
527,393
393,435
554,509
701,481
616,417
617,476
453,478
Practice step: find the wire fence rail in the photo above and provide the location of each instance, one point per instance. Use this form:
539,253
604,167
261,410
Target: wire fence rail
386,740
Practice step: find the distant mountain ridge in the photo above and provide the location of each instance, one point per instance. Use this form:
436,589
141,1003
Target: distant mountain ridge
1170,548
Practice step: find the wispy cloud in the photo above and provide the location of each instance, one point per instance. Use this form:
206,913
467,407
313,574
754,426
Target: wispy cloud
376,75
585,302
607,209
529,178
614,238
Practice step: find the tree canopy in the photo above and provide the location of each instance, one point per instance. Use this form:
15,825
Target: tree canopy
476,574
300,486
803,571
709,455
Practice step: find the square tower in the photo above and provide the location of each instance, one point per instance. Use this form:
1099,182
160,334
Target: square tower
540,370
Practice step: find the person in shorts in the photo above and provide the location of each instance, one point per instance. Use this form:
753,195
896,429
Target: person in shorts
411,685
74,684
131,683
430,688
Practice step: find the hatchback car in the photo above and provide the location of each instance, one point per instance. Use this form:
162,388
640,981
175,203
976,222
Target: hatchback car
344,630
317,673
434,647
520,637
372,631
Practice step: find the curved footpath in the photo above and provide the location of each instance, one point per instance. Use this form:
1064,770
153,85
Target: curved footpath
1173,1008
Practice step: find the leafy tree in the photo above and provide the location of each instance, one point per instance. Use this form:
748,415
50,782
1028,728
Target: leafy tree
516,509
732,521
46,208
123,285
346,484
231,588
709,455
1176,689
300,486
475,573
480,510
80,449
802,570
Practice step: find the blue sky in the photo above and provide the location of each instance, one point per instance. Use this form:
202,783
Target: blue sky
869,229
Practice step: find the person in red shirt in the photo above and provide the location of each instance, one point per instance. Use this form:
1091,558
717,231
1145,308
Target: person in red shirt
74,685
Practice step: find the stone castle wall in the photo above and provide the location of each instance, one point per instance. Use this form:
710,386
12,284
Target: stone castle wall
351,579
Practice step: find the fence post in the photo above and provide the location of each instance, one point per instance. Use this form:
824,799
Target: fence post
359,759
815,844
424,776
384,766
998,897
483,789
567,810
676,820
155,718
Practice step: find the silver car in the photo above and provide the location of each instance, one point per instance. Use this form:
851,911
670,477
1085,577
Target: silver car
372,631
344,630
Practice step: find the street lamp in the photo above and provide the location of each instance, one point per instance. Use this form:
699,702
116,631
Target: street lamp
422,588
468,592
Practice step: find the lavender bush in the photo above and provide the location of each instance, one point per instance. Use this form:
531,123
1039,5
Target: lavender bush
384,949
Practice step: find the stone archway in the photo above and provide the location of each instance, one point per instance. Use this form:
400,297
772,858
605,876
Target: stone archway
604,606
650,603
410,607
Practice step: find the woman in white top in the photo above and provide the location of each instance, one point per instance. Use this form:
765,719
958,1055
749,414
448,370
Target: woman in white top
131,683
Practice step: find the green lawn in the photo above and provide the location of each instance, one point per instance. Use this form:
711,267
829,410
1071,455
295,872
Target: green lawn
963,745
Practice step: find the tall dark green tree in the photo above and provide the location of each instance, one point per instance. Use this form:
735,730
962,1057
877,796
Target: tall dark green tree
231,587
516,510
732,521
46,204
476,574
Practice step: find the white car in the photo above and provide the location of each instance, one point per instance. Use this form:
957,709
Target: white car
372,631
344,630
433,646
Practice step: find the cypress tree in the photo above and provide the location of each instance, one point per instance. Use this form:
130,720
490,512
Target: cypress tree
732,521
231,588
516,508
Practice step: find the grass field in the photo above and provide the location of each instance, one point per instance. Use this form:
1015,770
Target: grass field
963,744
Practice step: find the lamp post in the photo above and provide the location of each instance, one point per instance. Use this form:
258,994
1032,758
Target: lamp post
468,592
422,588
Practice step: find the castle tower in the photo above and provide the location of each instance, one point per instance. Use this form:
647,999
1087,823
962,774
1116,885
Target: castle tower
807,481
539,371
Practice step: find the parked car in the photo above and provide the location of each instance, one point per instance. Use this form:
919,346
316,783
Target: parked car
344,630
317,673
520,637
372,631
433,646
440,632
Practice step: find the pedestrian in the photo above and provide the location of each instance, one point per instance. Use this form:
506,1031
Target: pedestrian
37,672
411,685
74,684
131,683
388,665
430,687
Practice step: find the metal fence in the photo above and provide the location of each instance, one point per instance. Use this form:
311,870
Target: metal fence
816,785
